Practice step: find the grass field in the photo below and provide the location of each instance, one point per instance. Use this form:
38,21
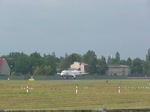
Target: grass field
91,94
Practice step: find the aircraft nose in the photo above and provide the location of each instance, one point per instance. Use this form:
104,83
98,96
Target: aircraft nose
62,74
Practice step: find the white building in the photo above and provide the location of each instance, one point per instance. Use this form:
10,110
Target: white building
79,66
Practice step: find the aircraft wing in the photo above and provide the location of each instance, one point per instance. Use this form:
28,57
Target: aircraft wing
59,73
81,73
84,73
73,75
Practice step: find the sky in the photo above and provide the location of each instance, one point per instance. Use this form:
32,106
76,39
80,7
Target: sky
75,26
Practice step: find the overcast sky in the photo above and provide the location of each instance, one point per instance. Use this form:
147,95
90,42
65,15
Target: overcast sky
75,26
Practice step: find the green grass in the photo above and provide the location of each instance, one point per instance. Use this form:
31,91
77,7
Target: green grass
92,94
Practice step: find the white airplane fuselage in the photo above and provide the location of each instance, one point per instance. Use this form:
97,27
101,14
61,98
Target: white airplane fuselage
70,73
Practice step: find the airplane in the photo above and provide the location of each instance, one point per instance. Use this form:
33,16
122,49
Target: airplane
71,73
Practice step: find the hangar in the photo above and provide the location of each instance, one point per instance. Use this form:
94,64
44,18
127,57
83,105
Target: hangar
119,70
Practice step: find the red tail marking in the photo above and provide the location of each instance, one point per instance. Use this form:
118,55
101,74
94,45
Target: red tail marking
79,69
2,61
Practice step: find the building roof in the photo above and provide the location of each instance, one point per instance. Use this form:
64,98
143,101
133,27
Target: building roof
81,63
2,61
4,67
118,66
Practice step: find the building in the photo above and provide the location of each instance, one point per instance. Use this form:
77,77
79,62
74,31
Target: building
4,67
119,70
79,66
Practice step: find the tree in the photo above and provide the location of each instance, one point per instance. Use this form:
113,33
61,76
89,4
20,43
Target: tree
91,59
129,62
46,70
102,66
148,56
146,65
51,61
37,71
137,66
36,59
43,70
117,58
123,62
109,60
70,59
60,64
20,63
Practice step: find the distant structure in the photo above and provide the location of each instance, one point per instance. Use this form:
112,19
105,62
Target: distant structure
79,66
4,67
119,70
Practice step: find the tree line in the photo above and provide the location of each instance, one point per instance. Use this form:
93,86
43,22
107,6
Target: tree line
35,64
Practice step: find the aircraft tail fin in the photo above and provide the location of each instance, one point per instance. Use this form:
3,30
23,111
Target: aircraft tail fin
79,69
